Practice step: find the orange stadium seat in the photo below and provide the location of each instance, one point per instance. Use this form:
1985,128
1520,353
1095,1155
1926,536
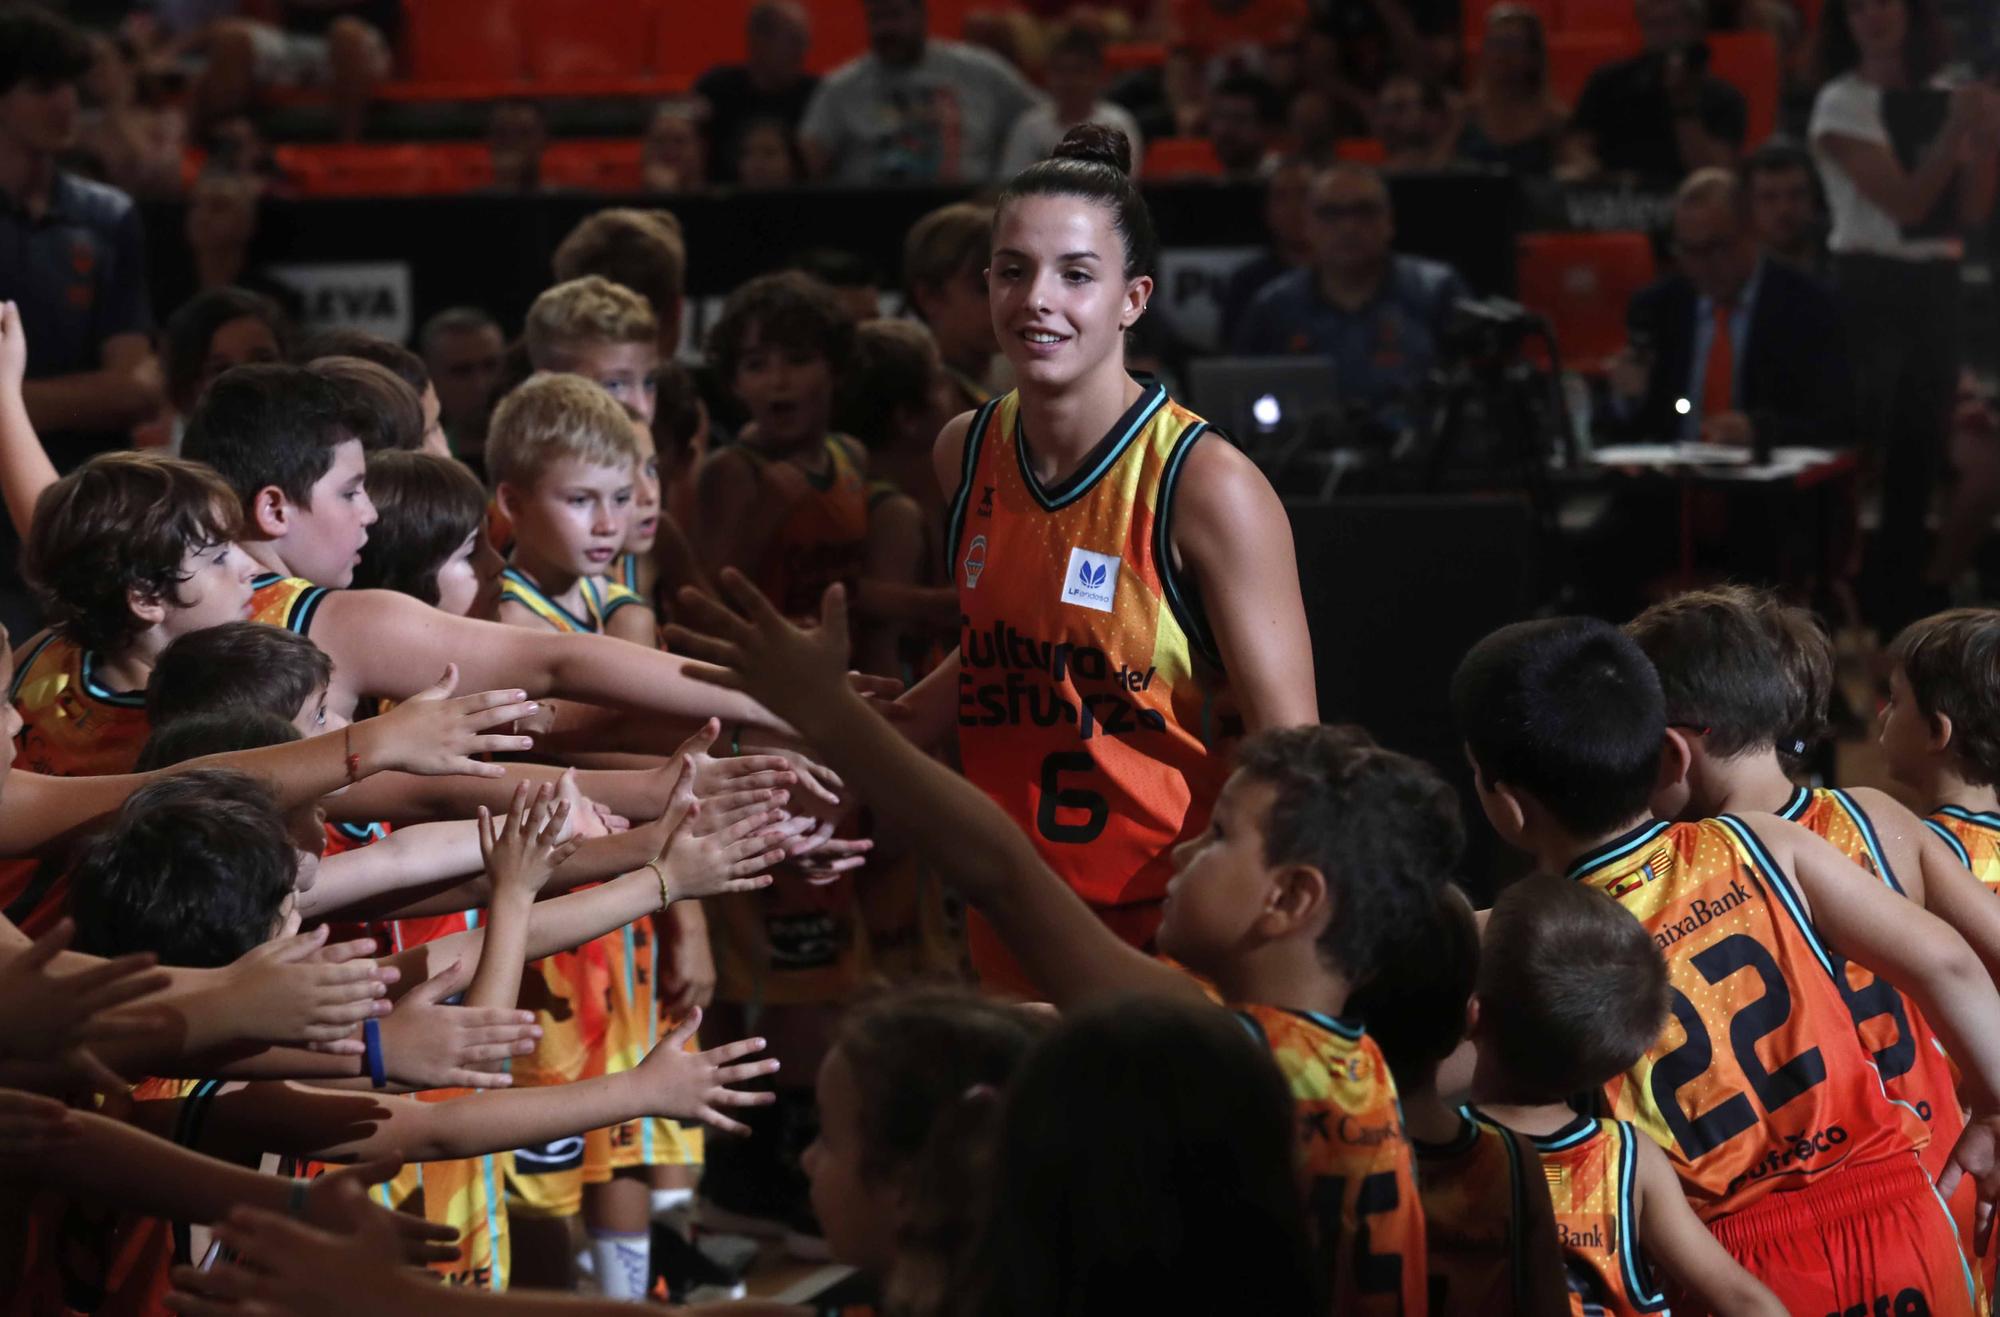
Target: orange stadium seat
1131,56
588,41
464,41
1581,282
593,166
1181,157
1360,150
365,169
692,36
1748,61
1574,56
1598,16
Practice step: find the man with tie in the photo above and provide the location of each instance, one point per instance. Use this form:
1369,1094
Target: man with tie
1734,348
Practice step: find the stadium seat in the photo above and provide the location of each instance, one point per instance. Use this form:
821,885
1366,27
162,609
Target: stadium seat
1748,61
588,41
610,165
363,170
1598,16
1581,282
465,41
1122,57
1360,150
1574,56
1181,157
693,36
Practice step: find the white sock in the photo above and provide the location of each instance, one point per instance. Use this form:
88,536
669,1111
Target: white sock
669,1201
624,1264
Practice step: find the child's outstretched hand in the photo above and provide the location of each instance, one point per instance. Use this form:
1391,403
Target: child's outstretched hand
693,1085
13,348
299,990
437,735
747,645
734,858
428,1044
32,1127
339,1201
44,1015
344,1261
523,851
720,775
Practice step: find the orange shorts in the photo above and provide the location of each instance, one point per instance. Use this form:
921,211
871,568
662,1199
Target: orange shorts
1002,976
632,1029
566,993
1876,1238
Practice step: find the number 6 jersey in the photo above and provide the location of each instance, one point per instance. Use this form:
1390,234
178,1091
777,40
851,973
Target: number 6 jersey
1090,696
1760,1082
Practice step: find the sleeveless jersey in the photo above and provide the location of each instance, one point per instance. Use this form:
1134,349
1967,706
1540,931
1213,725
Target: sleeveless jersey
1474,1191
286,601
600,601
821,536
1091,701
1359,1171
1759,1083
1912,1061
72,725
1973,837
1591,1167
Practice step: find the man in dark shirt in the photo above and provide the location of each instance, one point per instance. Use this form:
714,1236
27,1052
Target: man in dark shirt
1659,115
771,84
73,256
1290,249
1379,315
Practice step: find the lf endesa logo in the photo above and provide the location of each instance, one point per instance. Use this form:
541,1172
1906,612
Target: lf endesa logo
1091,580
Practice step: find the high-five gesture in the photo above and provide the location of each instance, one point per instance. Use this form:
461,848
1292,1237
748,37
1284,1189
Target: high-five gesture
733,858
434,734
695,1085
528,845
753,649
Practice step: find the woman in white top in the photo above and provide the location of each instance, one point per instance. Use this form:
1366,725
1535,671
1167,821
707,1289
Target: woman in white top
1075,77
1908,166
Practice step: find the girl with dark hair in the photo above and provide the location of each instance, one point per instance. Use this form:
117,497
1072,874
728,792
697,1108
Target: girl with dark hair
1908,166
426,541
1142,609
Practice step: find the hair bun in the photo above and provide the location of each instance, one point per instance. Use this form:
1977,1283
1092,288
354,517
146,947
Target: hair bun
1097,144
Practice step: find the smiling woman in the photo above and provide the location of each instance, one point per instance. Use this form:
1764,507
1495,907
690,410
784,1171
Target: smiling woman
1126,578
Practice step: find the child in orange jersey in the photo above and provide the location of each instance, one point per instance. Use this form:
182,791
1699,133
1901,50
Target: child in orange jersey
1941,730
1747,680
1768,1102
1487,1223
1321,846
1571,992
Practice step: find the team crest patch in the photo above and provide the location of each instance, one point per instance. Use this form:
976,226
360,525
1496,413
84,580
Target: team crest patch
975,561
1091,580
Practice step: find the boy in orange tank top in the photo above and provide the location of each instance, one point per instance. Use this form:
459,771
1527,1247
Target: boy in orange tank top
1768,1103
1321,846
1571,992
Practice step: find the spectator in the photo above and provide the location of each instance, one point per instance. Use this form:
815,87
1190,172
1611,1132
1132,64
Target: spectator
1658,115
944,277
643,250
1076,83
1016,38
765,155
1784,206
220,226
136,136
672,157
1414,122
1291,245
855,281
462,348
342,45
71,253
1966,522
912,109
516,136
213,331
1514,119
1379,315
770,85
1735,349
1908,167
1242,120
1317,122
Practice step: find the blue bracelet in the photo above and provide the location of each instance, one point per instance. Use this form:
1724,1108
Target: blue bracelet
371,1038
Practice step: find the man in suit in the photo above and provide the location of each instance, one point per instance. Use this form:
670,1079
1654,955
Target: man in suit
1737,348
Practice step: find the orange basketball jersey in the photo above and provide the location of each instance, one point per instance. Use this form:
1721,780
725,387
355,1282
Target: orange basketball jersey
1591,1167
1893,1028
1973,837
1360,1172
286,601
1759,1083
1092,705
72,725
821,537
1475,1194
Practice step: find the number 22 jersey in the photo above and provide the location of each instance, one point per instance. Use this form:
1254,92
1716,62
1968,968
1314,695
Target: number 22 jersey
1091,696
1760,1082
